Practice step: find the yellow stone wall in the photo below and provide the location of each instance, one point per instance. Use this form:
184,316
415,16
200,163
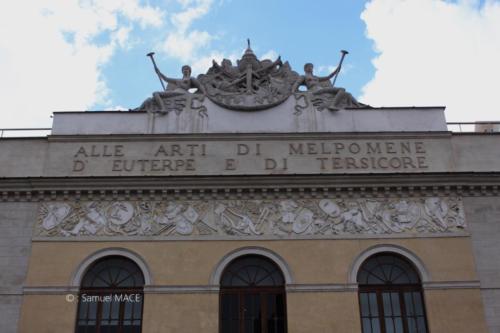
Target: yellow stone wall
191,263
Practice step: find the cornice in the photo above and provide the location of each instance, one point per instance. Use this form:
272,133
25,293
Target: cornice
249,187
249,136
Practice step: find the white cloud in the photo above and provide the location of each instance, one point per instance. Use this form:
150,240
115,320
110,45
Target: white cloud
52,53
183,44
117,108
183,20
271,54
192,46
202,63
434,52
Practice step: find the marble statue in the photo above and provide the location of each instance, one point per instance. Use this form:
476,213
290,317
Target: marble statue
177,96
313,82
322,93
249,85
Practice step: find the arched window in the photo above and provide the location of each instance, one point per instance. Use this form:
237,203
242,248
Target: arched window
252,297
390,296
111,297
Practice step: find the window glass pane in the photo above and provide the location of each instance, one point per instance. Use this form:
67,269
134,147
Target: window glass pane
386,298
81,329
82,311
281,326
113,273
127,313
363,300
375,326
275,313
122,275
400,276
417,298
251,307
373,304
280,305
105,311
115,310
90,327
376,276
230,307
92,310
138,308
398,325
421,325
387,271
367,327
412,325
389,325
252,325
410,311
362,276
271,307
238,279
396,307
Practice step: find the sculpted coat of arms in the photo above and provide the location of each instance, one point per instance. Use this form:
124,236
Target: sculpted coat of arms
249,85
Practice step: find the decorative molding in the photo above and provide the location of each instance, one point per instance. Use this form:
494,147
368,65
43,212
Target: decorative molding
283,218
317,288
444,285
189,289
276,258
87,262
50,290
149,239
11,294
414,259
214,289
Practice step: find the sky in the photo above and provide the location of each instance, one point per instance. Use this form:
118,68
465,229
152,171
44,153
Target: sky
76,55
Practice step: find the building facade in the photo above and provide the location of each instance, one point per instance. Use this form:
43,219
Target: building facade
249,206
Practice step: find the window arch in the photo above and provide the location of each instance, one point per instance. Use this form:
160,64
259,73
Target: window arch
111,297
252,296
390,296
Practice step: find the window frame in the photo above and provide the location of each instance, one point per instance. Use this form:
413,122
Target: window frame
246,291
400,289
108,291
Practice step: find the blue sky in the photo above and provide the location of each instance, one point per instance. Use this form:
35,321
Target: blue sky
299,31
91,54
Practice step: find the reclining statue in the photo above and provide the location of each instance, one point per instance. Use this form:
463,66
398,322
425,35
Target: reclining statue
323,93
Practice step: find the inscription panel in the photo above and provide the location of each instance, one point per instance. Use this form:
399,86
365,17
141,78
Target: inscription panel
287,218
241,157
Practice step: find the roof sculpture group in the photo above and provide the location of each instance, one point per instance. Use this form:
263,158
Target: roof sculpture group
251,85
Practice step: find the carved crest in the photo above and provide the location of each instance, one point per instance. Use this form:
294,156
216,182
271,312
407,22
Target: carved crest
252,84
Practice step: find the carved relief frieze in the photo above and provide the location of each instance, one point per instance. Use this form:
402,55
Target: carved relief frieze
268,218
